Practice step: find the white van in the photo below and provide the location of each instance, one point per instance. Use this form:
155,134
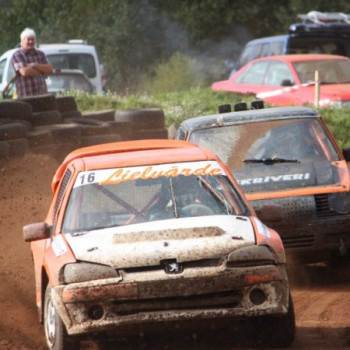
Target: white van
75,54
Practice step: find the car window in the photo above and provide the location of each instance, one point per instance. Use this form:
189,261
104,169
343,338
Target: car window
2,68
276,73
249,149
330,71
260,50
84,62
10,72
66,82
118,197
254,74
335,45
246,56
277,48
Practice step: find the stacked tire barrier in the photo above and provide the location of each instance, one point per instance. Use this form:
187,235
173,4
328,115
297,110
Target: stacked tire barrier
53,125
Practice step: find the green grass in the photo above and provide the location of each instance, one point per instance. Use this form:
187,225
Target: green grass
178,106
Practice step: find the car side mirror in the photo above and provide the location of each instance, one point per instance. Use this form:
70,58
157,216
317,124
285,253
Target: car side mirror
269,213
36,231
286,82
346,153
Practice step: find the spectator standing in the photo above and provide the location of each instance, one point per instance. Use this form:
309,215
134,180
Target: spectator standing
31,66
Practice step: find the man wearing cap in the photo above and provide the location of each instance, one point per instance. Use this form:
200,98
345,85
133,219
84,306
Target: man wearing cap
31,66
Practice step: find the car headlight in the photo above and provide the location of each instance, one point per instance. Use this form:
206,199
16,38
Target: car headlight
251,256
83,272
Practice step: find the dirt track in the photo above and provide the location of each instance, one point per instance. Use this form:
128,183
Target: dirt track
321,299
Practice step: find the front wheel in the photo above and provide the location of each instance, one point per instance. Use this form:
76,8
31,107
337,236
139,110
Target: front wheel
56,335
277,331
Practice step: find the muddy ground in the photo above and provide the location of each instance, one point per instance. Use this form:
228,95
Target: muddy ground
321,297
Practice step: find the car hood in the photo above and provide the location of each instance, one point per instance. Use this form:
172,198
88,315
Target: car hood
148,243
268,178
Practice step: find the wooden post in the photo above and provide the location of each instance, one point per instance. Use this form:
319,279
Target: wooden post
317,89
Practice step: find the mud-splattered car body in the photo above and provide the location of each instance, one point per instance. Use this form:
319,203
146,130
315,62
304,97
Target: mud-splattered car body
285,157
153,231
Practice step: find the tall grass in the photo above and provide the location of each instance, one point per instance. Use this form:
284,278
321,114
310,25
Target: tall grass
181,105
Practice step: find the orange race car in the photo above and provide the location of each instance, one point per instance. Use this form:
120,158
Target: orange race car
144,232
287,158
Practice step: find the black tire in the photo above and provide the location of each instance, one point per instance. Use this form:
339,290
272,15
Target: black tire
277,331
66,104
152,118
146,134
12,131
90,126
15,110
39,137
99,139
41,103
65,133
18,147
45,118
71,114
26,123
124,129
105,116
56,334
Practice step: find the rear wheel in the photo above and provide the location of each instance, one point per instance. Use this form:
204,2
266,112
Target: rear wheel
56,335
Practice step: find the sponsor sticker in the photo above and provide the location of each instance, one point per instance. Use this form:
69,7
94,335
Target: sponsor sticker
278,178
118,175
59,246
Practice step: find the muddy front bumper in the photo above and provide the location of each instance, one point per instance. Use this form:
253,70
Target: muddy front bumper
312,229
107,304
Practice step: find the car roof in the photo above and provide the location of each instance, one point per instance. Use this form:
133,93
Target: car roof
57,48
248,116
302,57
133,153
267,39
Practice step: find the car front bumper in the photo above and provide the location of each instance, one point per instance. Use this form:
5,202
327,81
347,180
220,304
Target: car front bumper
107,304
310,230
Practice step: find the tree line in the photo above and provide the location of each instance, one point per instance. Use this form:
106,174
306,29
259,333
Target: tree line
134,36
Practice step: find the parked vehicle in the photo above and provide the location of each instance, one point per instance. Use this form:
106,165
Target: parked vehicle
59,82
291,80
327,33
285,157
148,232
75,54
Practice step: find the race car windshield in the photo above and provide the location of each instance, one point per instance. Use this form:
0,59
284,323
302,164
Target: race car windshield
117,197
273,155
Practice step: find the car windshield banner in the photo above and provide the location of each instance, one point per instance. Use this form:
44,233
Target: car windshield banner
117,175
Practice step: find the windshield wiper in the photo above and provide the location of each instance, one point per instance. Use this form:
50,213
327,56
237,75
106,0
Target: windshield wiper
269,161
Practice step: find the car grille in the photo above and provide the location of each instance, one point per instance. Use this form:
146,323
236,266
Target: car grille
224,300
189,264
322,206
298,241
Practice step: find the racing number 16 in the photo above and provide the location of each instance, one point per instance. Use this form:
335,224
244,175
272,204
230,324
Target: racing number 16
89,178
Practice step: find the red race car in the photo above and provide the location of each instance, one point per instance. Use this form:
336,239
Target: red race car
290,80
147,232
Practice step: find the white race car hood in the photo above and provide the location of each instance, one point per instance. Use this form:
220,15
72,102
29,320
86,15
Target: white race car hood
147,244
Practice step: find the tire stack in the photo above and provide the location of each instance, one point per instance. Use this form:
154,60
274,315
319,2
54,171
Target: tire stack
14,127
145,123
49,135
52,125
99,127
